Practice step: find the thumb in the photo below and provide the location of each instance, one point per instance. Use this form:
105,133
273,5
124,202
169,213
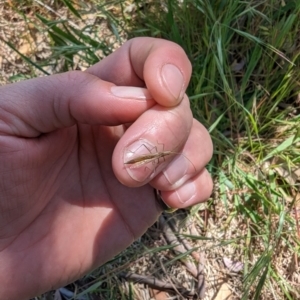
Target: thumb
41,105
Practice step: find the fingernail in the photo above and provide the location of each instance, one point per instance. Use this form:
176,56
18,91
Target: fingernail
173,80
187,192
130,92
177,171
141,160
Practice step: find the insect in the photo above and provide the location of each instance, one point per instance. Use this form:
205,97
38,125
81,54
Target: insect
152,156
145,154
142,163
147,158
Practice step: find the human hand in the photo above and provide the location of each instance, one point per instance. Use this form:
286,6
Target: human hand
68,200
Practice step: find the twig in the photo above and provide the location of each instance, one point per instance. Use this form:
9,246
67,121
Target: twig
185,242
199,258
56,13
171,282
201,277
156,284
178,247
298,232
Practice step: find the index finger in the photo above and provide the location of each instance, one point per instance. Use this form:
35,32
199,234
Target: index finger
160,65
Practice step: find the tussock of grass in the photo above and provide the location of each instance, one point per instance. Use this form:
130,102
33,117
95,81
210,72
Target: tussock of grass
245,90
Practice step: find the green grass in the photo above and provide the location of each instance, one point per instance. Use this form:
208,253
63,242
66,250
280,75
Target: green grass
244,87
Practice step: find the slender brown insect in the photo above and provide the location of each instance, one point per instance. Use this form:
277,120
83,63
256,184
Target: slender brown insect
144,159
147,158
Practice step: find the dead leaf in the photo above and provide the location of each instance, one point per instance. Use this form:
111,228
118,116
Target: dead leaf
27,45
224,292
233,266
158,295
237,66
